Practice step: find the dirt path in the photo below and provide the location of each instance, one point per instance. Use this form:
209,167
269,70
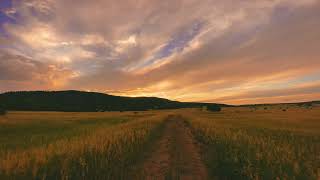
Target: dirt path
175,155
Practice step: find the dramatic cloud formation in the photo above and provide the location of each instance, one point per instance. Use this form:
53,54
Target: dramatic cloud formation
212,50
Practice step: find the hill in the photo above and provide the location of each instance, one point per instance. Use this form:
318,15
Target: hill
300,104
78,101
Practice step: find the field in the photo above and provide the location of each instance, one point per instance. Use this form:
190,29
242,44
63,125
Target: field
267,142
240,143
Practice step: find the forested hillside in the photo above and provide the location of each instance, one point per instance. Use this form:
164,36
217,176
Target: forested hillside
86,101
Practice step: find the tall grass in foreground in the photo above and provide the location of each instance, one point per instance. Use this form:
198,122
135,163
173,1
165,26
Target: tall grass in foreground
106,154
237,151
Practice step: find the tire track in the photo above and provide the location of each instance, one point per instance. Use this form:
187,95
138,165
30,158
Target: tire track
175,155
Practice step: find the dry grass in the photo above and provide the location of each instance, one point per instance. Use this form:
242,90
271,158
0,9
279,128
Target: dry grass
237,143
29,117
268,143
107,153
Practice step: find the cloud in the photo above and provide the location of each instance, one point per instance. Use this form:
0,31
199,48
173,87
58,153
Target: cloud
185,50
19,72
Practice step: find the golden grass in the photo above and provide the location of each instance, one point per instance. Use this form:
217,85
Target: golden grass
237,143
261,144
30,116
105,154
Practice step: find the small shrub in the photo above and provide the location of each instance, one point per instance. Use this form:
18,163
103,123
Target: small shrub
2,111
214,108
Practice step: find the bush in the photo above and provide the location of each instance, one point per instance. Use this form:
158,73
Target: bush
2,110
214,108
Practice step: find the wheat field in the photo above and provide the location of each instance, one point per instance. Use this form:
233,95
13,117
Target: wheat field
236,143
96,150
265,143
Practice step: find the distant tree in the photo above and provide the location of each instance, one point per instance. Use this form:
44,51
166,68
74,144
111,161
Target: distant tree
214,108
308,105
204,108
2,110
253,108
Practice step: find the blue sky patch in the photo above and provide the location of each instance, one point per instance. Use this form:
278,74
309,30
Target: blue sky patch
177,43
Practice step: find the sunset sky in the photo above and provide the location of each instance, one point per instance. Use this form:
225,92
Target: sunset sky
225,51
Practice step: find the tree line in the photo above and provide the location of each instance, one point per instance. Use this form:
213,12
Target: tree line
78,101
2,110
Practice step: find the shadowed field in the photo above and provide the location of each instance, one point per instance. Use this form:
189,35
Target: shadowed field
236,143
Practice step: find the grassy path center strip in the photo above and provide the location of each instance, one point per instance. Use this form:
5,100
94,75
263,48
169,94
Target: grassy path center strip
175,154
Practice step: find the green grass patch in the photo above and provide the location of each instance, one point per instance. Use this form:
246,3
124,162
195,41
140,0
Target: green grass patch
38,133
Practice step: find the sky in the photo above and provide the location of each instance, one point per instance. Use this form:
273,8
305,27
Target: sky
223,51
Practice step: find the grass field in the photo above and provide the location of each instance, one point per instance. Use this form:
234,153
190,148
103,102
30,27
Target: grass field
236,143
29,129
47,145
267,143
